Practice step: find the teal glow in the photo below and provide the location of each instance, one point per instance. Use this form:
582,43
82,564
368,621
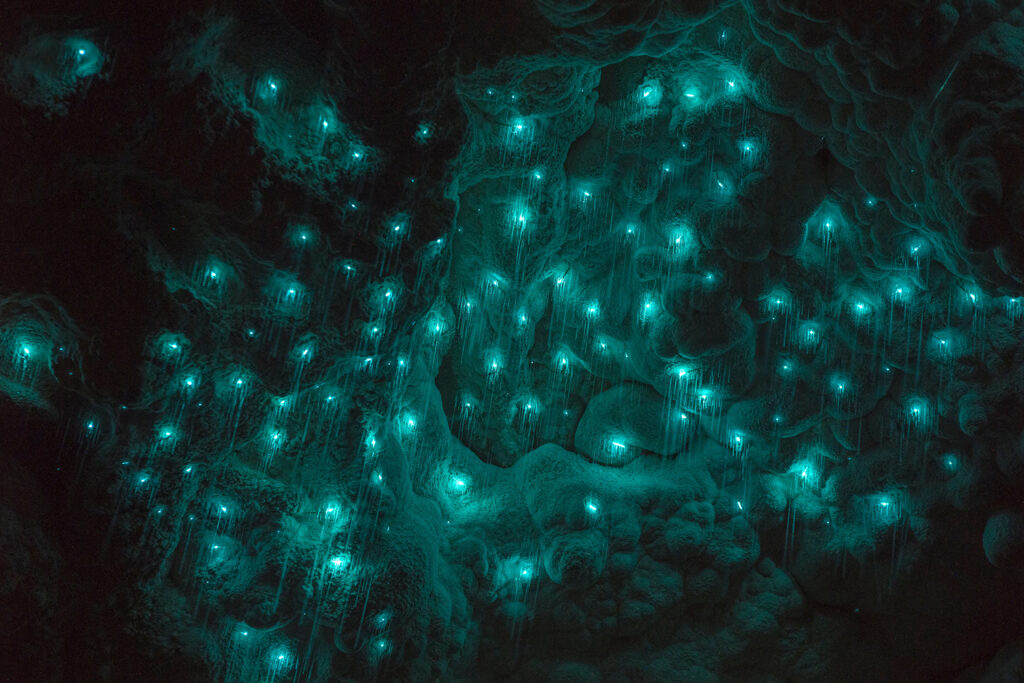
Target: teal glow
267,89
86,59
750,150
840,386
775,302
806,472
682,241
692,97
736,442
721,186
494,361
1014,307
918,412
649,94
809,335
424,132
885,508
459,484
339,563
917,248
301,236
860,309
901,291
649,308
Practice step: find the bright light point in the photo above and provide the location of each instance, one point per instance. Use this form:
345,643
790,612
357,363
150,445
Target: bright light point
917,410
424,132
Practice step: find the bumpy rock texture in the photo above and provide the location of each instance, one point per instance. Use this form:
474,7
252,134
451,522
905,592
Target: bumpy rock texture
532,341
